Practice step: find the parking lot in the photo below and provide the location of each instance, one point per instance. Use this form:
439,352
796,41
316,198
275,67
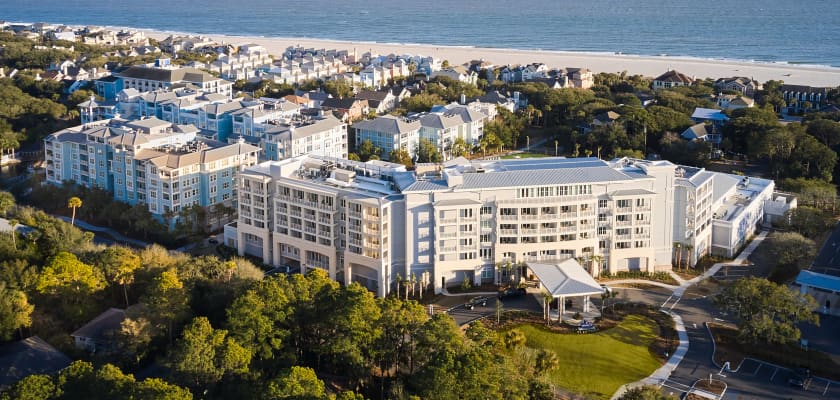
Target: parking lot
766,381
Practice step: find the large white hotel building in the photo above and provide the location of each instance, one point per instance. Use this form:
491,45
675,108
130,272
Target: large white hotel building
370,222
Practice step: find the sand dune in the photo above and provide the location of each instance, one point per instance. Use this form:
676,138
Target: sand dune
644,65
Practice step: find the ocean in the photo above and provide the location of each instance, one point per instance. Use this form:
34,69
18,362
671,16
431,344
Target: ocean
774,31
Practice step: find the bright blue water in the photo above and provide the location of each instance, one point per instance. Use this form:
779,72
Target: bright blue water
802,32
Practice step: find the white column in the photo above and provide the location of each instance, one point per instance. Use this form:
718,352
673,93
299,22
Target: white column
561,307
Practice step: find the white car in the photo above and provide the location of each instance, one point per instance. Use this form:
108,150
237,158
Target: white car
607,289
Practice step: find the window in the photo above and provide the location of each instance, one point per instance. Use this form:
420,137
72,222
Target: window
466,242
466,213
623,203
486,210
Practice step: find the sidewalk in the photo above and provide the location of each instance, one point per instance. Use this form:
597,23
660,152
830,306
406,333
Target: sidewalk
116,236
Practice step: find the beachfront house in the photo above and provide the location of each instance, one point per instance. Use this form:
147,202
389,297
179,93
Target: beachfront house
747,86
672,79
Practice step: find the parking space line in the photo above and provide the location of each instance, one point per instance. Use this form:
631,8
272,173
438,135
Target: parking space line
774,374
756,370
808,383
827,384
666,301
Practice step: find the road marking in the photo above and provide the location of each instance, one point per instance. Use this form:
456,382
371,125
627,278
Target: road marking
827,384
774,374
675,303
756,370
666,301
808,383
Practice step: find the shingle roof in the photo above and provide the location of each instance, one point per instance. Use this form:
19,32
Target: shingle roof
439,121
387,124
167,75
99,327
696,131
29,357
674,76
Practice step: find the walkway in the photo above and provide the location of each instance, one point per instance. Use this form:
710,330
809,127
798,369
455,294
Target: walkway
108,231
662,374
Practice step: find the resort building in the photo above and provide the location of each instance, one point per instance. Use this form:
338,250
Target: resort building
165,166
441,126
369,222
162,75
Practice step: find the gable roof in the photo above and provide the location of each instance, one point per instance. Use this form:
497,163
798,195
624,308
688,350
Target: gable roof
167,75
388,124
345,104
99,327
29,356
373,95
696,131
674,76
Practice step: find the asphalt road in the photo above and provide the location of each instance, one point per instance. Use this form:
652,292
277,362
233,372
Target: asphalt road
828,259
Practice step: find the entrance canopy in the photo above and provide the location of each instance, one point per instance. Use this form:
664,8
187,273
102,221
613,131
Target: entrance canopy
565,279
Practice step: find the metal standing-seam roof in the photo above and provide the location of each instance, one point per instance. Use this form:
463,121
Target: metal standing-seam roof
559,176
567,278
821,281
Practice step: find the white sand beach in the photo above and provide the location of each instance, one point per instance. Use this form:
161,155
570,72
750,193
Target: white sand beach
645,65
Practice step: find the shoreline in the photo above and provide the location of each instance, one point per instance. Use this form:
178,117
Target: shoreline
646,65
651,66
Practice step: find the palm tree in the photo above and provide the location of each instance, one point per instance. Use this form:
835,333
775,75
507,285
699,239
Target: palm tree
688,248
546,361
12,223
596,260
399,281
74,203
7,202
677,247
547,298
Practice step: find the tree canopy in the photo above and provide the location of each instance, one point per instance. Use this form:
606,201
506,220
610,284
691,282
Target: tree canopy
767,312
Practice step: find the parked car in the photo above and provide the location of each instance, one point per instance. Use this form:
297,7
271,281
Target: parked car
800,377
480,300
512,292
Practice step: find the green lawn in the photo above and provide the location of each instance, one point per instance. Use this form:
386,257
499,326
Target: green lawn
596,364
525,155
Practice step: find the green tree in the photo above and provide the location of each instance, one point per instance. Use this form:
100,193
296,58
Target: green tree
366,151
167,301
119,264
70,281
203,355
74,203
258,319
790,251
808,221
645,393
7,202
400,156
427,152
546,361
338,89
767,312
32,387
460,148
299,383
825,130
158,389
15,311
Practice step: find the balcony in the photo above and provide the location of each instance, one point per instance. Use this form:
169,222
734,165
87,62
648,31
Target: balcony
448,249
645,207
448,221
508,232
528,231
623,223
509,217
448,235
623,210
